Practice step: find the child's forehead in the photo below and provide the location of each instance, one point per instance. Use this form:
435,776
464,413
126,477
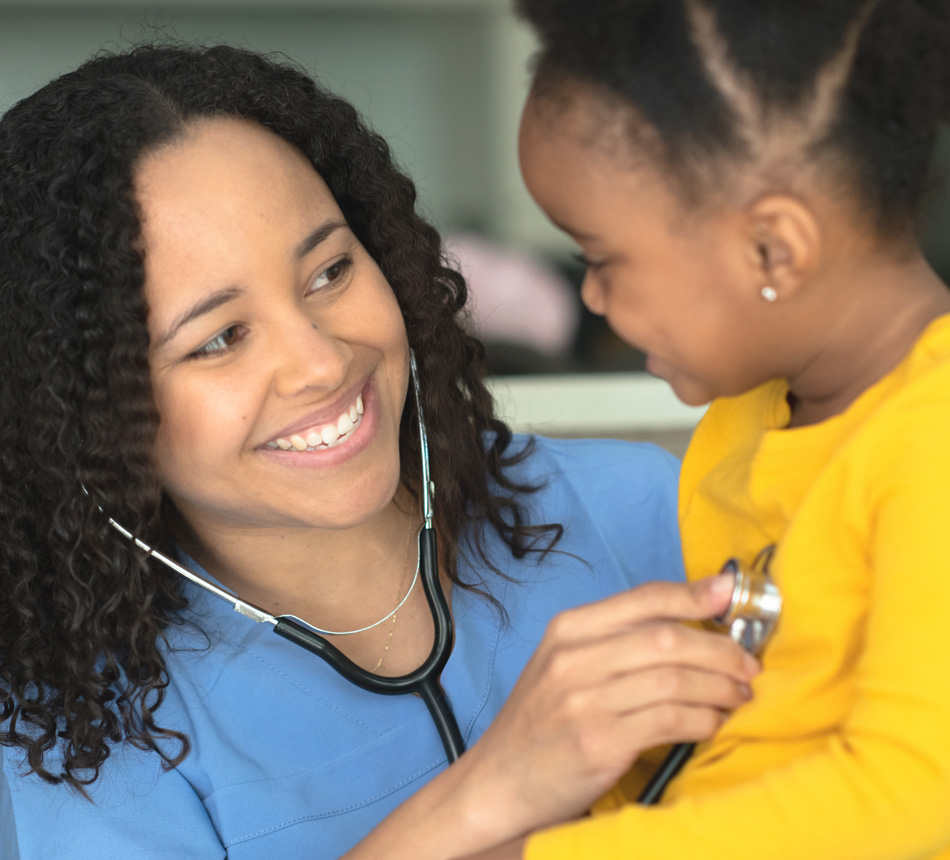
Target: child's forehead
596,117
599,137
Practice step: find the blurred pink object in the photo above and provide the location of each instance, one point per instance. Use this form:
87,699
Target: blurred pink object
515,297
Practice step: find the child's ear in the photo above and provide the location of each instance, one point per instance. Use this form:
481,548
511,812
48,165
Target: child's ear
784,243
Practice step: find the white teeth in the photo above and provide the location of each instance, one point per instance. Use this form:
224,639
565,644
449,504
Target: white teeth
327,436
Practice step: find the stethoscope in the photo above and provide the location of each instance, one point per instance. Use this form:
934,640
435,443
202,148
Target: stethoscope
423,681
750,620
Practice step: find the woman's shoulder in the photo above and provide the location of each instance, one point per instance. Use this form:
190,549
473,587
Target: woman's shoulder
616,501
135,808
611,466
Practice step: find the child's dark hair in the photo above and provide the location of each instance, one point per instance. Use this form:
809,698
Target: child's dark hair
866,82
81,609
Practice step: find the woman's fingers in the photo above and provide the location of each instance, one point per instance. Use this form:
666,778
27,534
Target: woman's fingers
651,645
657,687
671,723
623,695
694,601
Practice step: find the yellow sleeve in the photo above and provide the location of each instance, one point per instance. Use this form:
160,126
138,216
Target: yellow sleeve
880,788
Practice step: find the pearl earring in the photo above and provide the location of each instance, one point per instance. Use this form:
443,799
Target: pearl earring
769,293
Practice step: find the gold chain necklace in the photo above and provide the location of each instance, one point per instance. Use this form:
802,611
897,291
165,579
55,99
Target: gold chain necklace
405,567
324,632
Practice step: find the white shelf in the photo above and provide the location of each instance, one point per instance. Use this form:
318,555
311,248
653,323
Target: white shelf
591,403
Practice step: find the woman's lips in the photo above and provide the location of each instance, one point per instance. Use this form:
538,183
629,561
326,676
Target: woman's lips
324,435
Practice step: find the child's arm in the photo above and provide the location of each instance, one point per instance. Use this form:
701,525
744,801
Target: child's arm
879,788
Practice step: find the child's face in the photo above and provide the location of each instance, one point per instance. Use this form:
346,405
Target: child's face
675,284
269,324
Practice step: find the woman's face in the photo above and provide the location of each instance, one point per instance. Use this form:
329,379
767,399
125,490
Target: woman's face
278,355
673,283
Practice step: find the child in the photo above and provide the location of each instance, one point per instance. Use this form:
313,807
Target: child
742,177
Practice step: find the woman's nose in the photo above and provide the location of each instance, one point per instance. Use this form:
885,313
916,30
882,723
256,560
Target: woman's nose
592,295
309,358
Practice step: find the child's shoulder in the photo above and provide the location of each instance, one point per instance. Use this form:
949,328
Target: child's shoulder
907,431
922,382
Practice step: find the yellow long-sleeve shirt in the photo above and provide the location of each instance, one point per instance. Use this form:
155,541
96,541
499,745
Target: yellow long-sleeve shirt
844,752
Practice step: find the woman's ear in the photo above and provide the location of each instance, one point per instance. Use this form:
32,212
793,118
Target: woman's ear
784,244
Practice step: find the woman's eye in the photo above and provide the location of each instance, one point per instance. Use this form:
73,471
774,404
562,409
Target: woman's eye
330,275
221,343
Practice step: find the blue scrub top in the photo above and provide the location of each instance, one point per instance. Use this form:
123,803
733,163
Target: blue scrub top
290,760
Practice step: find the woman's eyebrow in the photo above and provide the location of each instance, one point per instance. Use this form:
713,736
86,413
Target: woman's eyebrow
316,237
219,298
205,306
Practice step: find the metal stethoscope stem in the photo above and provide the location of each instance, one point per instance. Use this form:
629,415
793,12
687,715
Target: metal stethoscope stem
423,681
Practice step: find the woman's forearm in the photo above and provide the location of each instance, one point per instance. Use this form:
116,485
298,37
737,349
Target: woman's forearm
451,817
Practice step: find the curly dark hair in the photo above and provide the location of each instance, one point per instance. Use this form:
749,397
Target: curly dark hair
82,611
867,80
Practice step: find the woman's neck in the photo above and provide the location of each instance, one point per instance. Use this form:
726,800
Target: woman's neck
333,578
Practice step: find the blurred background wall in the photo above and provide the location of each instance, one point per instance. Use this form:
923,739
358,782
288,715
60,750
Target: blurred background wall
443,81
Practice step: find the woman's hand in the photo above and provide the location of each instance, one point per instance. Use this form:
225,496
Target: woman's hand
609,680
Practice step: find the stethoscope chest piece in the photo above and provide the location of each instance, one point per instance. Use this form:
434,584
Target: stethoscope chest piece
756,603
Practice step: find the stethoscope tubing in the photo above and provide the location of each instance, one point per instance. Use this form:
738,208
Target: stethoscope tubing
424,681
671,765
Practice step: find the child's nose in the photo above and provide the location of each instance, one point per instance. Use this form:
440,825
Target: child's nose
592,295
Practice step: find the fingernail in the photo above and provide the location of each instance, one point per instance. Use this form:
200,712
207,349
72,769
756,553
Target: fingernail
752,666
721,585
745,691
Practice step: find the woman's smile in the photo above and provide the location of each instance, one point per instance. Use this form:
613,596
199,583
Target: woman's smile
317,441
323,435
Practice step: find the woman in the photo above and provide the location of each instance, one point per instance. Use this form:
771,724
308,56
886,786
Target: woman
211,276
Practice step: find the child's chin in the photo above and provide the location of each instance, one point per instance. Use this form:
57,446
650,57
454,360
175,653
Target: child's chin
691,394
